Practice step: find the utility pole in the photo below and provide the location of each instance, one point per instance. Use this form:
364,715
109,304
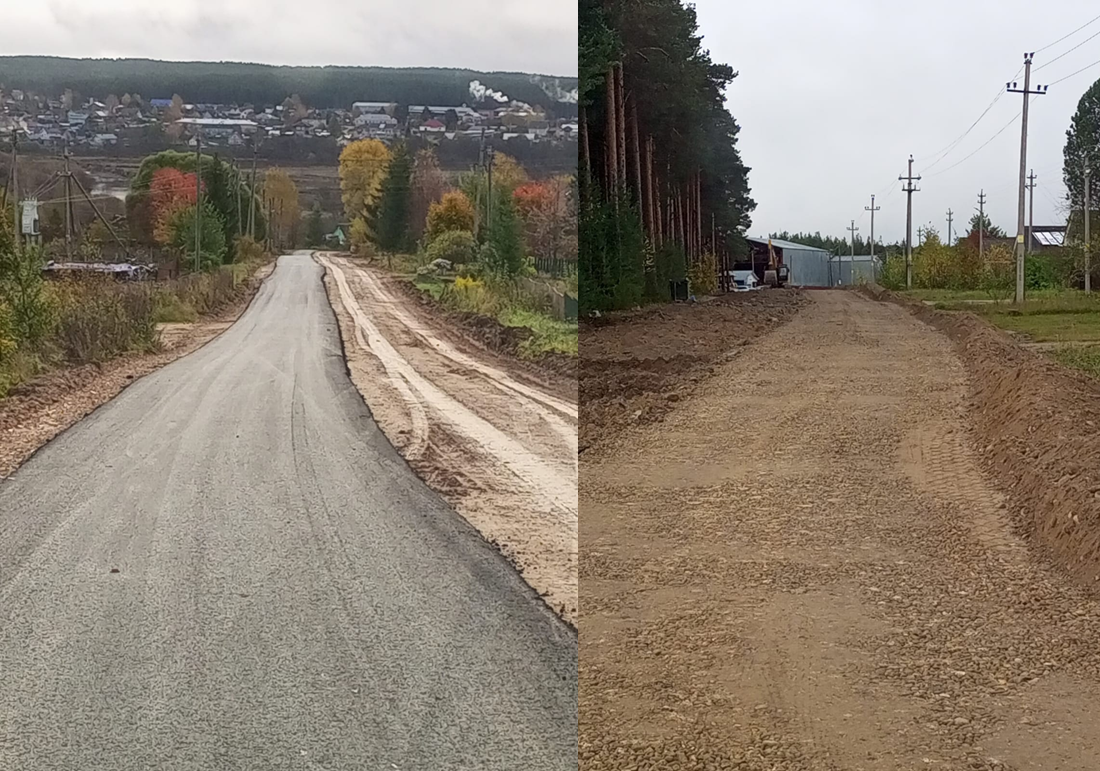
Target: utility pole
920,235
981,224
852,265
909,190
68,204
252,194
1030,210
489,203
950,214
198,197
1026,91
1088,253
240,222
17,233
872,208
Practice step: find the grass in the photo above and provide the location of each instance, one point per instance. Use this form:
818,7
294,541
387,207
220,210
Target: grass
512,306
432,286
1051,327
549,334
1083,357
1048,315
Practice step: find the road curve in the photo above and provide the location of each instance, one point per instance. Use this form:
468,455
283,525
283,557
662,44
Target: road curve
288,594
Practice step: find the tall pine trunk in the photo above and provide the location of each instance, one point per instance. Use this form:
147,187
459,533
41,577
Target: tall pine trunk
636,157
620,122
586,155
647,192
611,137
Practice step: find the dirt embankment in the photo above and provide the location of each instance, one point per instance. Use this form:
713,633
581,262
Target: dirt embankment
1038,424
499,445
38,410
635,365
490,335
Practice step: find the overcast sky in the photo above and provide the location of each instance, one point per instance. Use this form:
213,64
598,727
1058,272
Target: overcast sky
833,97
512,35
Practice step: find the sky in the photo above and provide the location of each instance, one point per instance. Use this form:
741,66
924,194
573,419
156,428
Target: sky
832,98
514,35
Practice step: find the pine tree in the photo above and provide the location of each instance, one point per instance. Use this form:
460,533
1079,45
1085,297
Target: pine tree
506,238
315,229
391,219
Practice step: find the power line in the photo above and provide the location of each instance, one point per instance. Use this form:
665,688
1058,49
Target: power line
1087,66
955,144
980,147
1071,34
1059,56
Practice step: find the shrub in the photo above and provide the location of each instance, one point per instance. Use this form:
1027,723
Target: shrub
456,246
99,319
452,212
247,250
24,291
703,275
893,273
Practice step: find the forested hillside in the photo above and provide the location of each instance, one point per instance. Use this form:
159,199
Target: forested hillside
231,82
664,190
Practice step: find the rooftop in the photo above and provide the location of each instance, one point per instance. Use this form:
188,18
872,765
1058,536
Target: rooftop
781,244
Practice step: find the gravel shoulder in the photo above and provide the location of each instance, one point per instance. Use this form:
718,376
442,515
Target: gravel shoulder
39,410
809,564
499,444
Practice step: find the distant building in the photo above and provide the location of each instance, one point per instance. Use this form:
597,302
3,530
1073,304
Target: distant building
1046,237
371,107
432,127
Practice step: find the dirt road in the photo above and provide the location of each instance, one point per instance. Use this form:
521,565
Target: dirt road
499,446
228,566
804,567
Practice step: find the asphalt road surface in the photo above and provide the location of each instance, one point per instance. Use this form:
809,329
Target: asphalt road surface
288,594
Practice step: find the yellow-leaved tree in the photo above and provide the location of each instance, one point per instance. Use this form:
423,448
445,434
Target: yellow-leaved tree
452,212
282,194
363,166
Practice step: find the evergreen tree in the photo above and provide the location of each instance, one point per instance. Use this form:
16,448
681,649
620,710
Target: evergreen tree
506,238
1083,144
315,228
391,221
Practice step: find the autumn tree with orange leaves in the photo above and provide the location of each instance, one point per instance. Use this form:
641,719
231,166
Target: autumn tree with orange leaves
170,191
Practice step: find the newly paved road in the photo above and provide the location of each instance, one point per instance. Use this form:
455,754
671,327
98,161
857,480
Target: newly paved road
288,594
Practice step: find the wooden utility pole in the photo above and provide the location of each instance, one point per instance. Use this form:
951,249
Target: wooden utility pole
68,204
198,198
981,224
1026,91
489,193
1088,246
252,194
950,216
240,222
1030,210
909,189
17,233
872,208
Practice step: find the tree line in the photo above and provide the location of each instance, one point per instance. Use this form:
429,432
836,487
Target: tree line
494,219
664,191
262,84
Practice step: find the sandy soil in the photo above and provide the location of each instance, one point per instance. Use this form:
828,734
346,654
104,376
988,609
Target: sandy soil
36,412
635,366
810,565
500,447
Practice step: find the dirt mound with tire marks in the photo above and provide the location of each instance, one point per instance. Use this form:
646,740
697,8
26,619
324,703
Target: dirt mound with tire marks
1038,425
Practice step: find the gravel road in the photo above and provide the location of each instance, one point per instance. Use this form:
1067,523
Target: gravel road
229,567
804,567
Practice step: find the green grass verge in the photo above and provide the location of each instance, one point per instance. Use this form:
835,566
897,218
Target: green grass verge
1083,357
1051,327
549,334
